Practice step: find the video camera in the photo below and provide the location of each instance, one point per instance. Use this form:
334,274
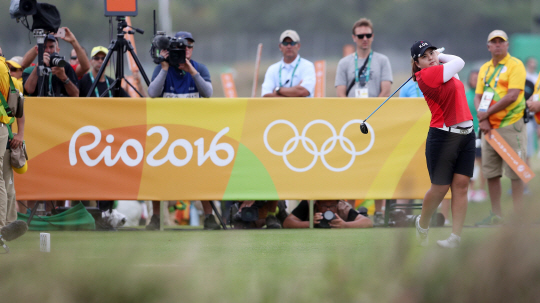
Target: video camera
175,46
45,16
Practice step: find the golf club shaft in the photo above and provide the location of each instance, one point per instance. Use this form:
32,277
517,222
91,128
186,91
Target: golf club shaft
388,98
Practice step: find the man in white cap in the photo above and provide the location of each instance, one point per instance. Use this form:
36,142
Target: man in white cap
500,86
103,88
293,76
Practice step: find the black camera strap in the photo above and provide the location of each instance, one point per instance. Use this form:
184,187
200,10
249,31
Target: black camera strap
360,71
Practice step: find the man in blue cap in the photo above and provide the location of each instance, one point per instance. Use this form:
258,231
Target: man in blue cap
187,80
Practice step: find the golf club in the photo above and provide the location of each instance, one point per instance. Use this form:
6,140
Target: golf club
363,127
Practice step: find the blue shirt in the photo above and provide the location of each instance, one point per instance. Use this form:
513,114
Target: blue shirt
411,90
305,72
180,84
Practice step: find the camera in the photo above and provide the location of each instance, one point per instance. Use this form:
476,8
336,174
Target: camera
327,217
175,46
57,60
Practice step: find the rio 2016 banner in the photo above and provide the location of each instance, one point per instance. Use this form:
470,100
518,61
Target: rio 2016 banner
223,149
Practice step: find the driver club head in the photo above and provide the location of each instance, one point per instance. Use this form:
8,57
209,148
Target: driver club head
363,128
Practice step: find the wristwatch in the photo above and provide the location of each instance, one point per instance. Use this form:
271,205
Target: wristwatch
66,81
277,90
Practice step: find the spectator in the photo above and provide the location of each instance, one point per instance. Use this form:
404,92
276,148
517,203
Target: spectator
363,74
104,83
81,66
293,76
6,206
345,215
76,64
16,69
187,80
63,81
501,79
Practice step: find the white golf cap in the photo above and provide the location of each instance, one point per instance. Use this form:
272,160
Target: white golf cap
290,34
497,33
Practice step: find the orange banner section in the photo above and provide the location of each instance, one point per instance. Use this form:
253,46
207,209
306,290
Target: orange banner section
227,81
510,156
320,76
223,149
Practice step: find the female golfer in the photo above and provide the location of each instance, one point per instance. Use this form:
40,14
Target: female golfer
450,144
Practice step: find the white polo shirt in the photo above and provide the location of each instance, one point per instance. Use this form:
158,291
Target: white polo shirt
305,72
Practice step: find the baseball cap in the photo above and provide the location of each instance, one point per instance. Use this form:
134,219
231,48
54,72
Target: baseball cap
185,35
98,49
420,47
51,37
291,34
497,33
15,61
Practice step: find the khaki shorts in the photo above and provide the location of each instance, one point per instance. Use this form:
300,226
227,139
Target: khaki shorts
492,164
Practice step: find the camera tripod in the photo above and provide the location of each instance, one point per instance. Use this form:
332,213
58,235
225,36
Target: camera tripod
120,46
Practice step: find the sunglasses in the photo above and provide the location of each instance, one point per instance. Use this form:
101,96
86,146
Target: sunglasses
292,43
364,35
73,58
98,58
13,69
189,45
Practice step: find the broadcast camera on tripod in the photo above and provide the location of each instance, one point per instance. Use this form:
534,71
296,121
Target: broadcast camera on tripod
46,19
120,9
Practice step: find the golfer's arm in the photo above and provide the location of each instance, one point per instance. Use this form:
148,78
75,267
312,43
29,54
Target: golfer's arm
508,99
385,88
341,91
292,221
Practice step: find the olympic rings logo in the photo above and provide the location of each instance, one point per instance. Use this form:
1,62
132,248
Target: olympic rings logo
310,146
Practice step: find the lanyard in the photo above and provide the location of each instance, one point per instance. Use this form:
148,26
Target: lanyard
106,80
498,68
292,76
366,71
50,84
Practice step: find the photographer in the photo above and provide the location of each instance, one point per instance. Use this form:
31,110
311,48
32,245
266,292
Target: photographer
344,215
187,80
62,82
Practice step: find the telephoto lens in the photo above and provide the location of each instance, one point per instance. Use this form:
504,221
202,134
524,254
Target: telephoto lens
327,217
57,60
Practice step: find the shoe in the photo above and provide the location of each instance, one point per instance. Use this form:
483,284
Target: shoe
492,219
421,234
378,219
154,223
272,222
452,241
210,223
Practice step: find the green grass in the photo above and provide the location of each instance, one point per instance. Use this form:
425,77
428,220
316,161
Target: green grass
218,266
498,264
